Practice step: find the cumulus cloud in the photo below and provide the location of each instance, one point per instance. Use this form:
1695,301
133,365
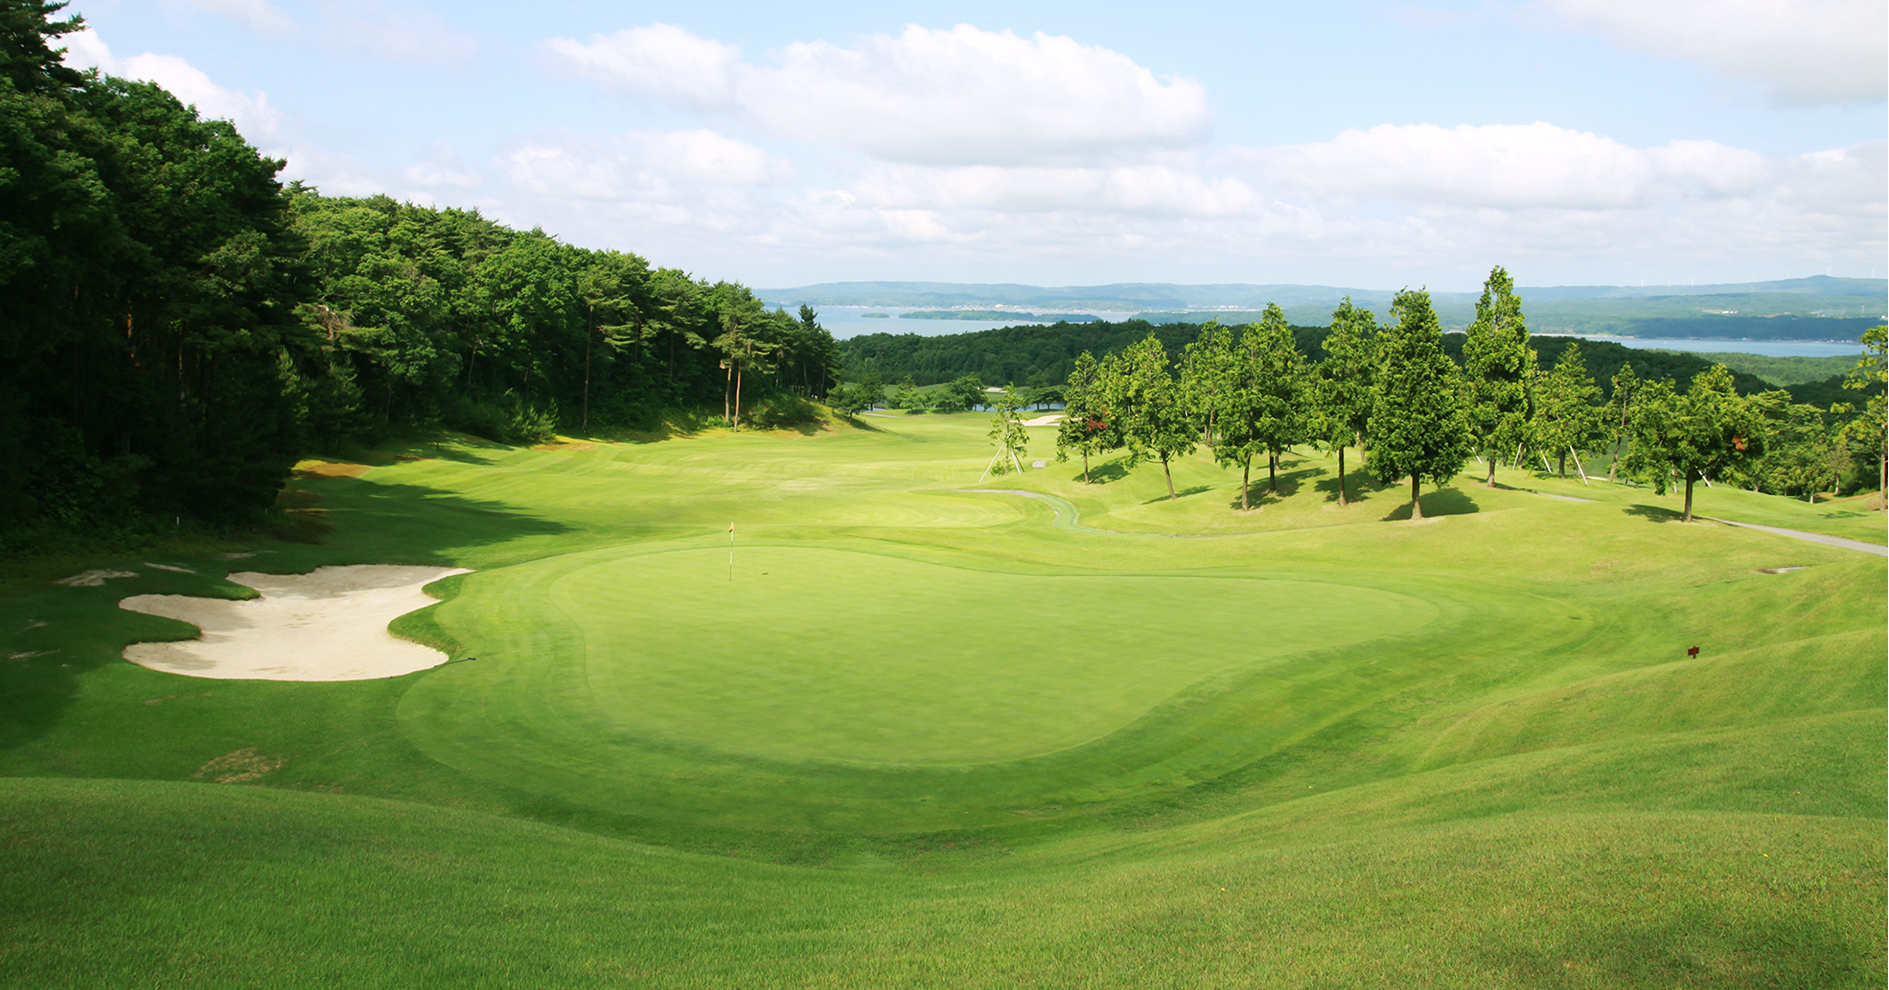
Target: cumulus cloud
1801,51
259,16
1155,190
660,62
963,96
250,112
1506,166
639,165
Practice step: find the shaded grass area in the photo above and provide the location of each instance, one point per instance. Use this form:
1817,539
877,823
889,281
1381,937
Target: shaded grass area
925,736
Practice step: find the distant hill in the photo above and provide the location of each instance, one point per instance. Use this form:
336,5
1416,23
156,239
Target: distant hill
1816,308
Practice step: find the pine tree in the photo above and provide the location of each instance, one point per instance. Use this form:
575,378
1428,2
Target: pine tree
1418,425
1279,382
1626,386
1342,387
1499,367
1147,400
1086,427
1567,413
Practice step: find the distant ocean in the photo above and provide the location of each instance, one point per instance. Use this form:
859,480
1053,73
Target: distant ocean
851,321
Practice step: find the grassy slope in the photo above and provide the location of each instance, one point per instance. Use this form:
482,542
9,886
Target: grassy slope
1532,786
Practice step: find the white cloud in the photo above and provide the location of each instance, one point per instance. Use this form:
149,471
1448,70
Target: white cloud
639,166
442,167
250,112
1156,190
259,16
661,61
1506,166
1802,51
370,29
959,97
1499,165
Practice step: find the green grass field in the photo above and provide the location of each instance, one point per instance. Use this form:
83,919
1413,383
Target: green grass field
919,735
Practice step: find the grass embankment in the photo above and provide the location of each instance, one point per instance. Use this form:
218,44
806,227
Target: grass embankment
919,736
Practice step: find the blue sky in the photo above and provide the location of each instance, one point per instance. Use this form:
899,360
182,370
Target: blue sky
1360,144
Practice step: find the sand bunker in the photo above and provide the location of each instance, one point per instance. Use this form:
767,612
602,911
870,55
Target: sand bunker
1051,420
327,625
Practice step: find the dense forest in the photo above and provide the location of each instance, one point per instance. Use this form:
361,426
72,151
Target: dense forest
181,326
1026,354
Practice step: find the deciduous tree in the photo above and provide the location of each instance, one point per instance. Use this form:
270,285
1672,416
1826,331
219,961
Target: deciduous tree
1708,430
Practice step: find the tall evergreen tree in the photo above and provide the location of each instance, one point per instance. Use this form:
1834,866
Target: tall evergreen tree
1087,426
1567,415
1278,387
1626,388
1498,365
1419,428
1154,421
1342,386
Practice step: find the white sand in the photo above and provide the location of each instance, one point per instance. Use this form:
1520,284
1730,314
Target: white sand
327,625
1050,420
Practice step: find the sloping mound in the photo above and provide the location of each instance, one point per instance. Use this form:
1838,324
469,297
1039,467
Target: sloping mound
327,625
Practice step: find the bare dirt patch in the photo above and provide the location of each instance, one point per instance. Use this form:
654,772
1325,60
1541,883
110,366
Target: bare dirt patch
327,625
239,766
331,469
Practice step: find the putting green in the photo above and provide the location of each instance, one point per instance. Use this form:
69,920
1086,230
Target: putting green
631,663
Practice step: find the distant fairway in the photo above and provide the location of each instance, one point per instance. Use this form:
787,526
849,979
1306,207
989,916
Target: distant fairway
927,737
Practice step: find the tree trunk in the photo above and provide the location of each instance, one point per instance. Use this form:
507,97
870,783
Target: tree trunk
727,387
1563,468
1492,459
1416,505
1619,441
1272,472
1170,476
1688,515
1341,477
1246,482
737,420
1085,467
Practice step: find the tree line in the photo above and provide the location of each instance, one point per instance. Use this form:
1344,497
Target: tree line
1395,393
181,326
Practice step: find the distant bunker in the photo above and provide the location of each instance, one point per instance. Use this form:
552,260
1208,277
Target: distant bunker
327,625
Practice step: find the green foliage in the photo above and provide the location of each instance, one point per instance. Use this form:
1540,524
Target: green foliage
1568,412
961,395
1707,431
1008,434
1419,426
1499,369
1149,405
1087,427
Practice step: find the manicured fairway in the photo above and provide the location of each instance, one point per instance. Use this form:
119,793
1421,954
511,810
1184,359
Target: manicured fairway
919,736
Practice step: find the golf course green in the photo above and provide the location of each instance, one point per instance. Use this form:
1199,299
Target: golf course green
898,728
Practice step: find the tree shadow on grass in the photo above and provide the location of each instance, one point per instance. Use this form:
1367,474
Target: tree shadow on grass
1179,493
1106,472
1441,502
1656,513
1359,486
368,522
1261,493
